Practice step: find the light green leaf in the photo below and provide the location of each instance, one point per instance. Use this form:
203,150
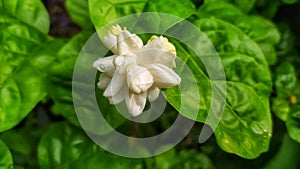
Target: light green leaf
79,12
31,12
104,12
23,65
66,147
6,161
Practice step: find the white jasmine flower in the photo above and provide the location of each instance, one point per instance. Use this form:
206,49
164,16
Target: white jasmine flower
136,72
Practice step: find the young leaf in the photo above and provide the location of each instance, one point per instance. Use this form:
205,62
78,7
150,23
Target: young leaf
6,161
22,77
65,146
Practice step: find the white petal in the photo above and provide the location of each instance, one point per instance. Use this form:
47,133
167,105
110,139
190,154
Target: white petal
128,43
115,85
118,98
153,94
103,81
163,76
105,64
122,62
110,41
135,103
139,79
152,56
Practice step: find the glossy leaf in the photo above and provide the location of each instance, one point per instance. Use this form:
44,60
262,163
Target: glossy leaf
79,12
104,12
257,28
6,161
31,12
67,147
245,126
23,68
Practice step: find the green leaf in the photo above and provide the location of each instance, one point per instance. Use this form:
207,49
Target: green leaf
23,60
293,123
281,108
79,12
245,126
244,6
285,79
60,77
31,13
184,9
104,12
60,89
6,161
221,10
183,159
258,29
24,151
66,147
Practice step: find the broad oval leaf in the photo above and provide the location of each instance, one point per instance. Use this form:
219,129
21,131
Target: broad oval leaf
6,161
68,147
245,126
22,78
